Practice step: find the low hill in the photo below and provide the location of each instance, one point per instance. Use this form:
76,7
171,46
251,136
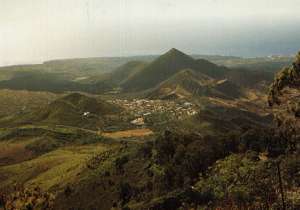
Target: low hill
217,119
85,66
188,83
226,119
72,110
16,101
183,84
249,78
77,110
166,66
52,82
228,88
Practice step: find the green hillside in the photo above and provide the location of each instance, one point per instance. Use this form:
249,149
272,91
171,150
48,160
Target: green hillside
52,82
71,109
167,65
74,109
188,83
228,88
126,71
185,83
249,78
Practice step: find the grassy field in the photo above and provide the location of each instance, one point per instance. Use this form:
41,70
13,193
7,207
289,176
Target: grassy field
13,101
51,171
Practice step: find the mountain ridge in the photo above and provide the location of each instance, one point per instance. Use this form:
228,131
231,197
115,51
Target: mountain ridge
167,65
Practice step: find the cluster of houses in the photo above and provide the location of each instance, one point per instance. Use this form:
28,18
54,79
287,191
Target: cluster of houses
143,108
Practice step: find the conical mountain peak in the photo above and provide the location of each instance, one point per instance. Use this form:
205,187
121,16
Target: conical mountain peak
165,67
174,50
175,53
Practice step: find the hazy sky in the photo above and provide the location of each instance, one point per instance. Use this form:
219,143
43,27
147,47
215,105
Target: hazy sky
38,30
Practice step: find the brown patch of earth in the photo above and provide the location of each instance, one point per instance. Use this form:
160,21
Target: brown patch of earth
14,152
129,133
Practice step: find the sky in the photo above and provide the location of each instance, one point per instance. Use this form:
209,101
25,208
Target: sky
33,31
